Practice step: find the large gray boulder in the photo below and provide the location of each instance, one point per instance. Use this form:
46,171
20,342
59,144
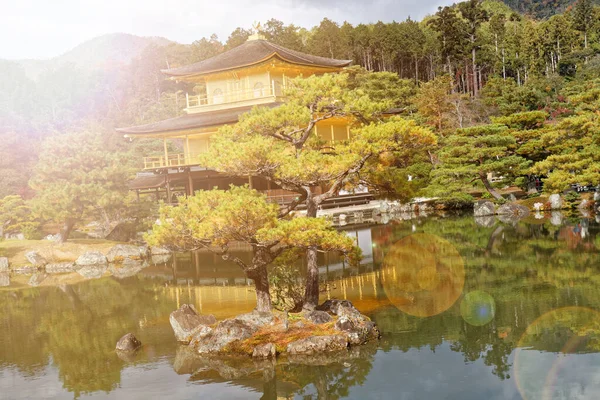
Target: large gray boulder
318,344
224,333
356,327
91,258
484,208
266,350
60,268
186,321
333,305
256,318
3,264
121,252
128,343
4,279
93,271
35,259
318,317
555,201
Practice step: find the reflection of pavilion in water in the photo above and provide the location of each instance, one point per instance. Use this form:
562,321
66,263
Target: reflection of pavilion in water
203,268
220,287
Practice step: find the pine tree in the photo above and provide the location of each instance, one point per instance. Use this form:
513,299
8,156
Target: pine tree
283,145
583,18
472,154
475,15
76,178
214,220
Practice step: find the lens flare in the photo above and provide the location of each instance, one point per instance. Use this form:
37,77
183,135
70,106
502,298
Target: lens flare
544,360
423,275
478,308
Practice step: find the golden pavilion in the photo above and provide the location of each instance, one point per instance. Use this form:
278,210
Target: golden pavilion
231,83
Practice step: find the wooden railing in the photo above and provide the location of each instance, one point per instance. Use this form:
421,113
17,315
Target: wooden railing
201,100
174,160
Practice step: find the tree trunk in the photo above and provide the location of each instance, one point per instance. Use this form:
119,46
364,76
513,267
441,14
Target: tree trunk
503,65
66,230
473,54
489,187
311,293
417,70
261,283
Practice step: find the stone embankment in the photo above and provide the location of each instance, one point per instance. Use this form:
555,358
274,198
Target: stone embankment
334,326
121,261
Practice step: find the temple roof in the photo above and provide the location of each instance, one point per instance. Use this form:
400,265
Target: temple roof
192,121
250,53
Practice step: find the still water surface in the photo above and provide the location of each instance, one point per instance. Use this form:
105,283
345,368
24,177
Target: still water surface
499,311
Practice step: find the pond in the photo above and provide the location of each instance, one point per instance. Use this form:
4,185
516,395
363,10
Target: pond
468,310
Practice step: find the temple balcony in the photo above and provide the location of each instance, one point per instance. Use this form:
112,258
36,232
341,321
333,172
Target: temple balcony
219,99
172,160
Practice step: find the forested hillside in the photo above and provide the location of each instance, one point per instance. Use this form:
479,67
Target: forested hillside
539,9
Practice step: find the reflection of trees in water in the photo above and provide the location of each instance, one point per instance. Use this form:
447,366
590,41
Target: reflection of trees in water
77,327
325,376
21,345
529,269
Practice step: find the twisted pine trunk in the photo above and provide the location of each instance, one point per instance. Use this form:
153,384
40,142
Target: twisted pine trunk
258,273
261,284
66,230
311,294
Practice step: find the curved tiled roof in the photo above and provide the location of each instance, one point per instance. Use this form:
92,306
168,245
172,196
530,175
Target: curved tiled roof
250,53
192,121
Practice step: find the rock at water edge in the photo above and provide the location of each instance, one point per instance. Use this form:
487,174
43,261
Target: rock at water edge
60,268
3,264
483,208
128,343
318,344
555,201
318,317
226,332
266,350
35,259
91,258
186,320
121,252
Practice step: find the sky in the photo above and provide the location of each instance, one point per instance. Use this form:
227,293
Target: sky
42,29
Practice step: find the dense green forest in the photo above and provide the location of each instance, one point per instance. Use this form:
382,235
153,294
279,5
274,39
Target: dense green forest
540,8
471,64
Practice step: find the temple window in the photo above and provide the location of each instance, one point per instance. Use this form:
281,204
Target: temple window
218,97
259,90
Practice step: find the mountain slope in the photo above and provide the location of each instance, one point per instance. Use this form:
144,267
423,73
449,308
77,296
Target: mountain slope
106,50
